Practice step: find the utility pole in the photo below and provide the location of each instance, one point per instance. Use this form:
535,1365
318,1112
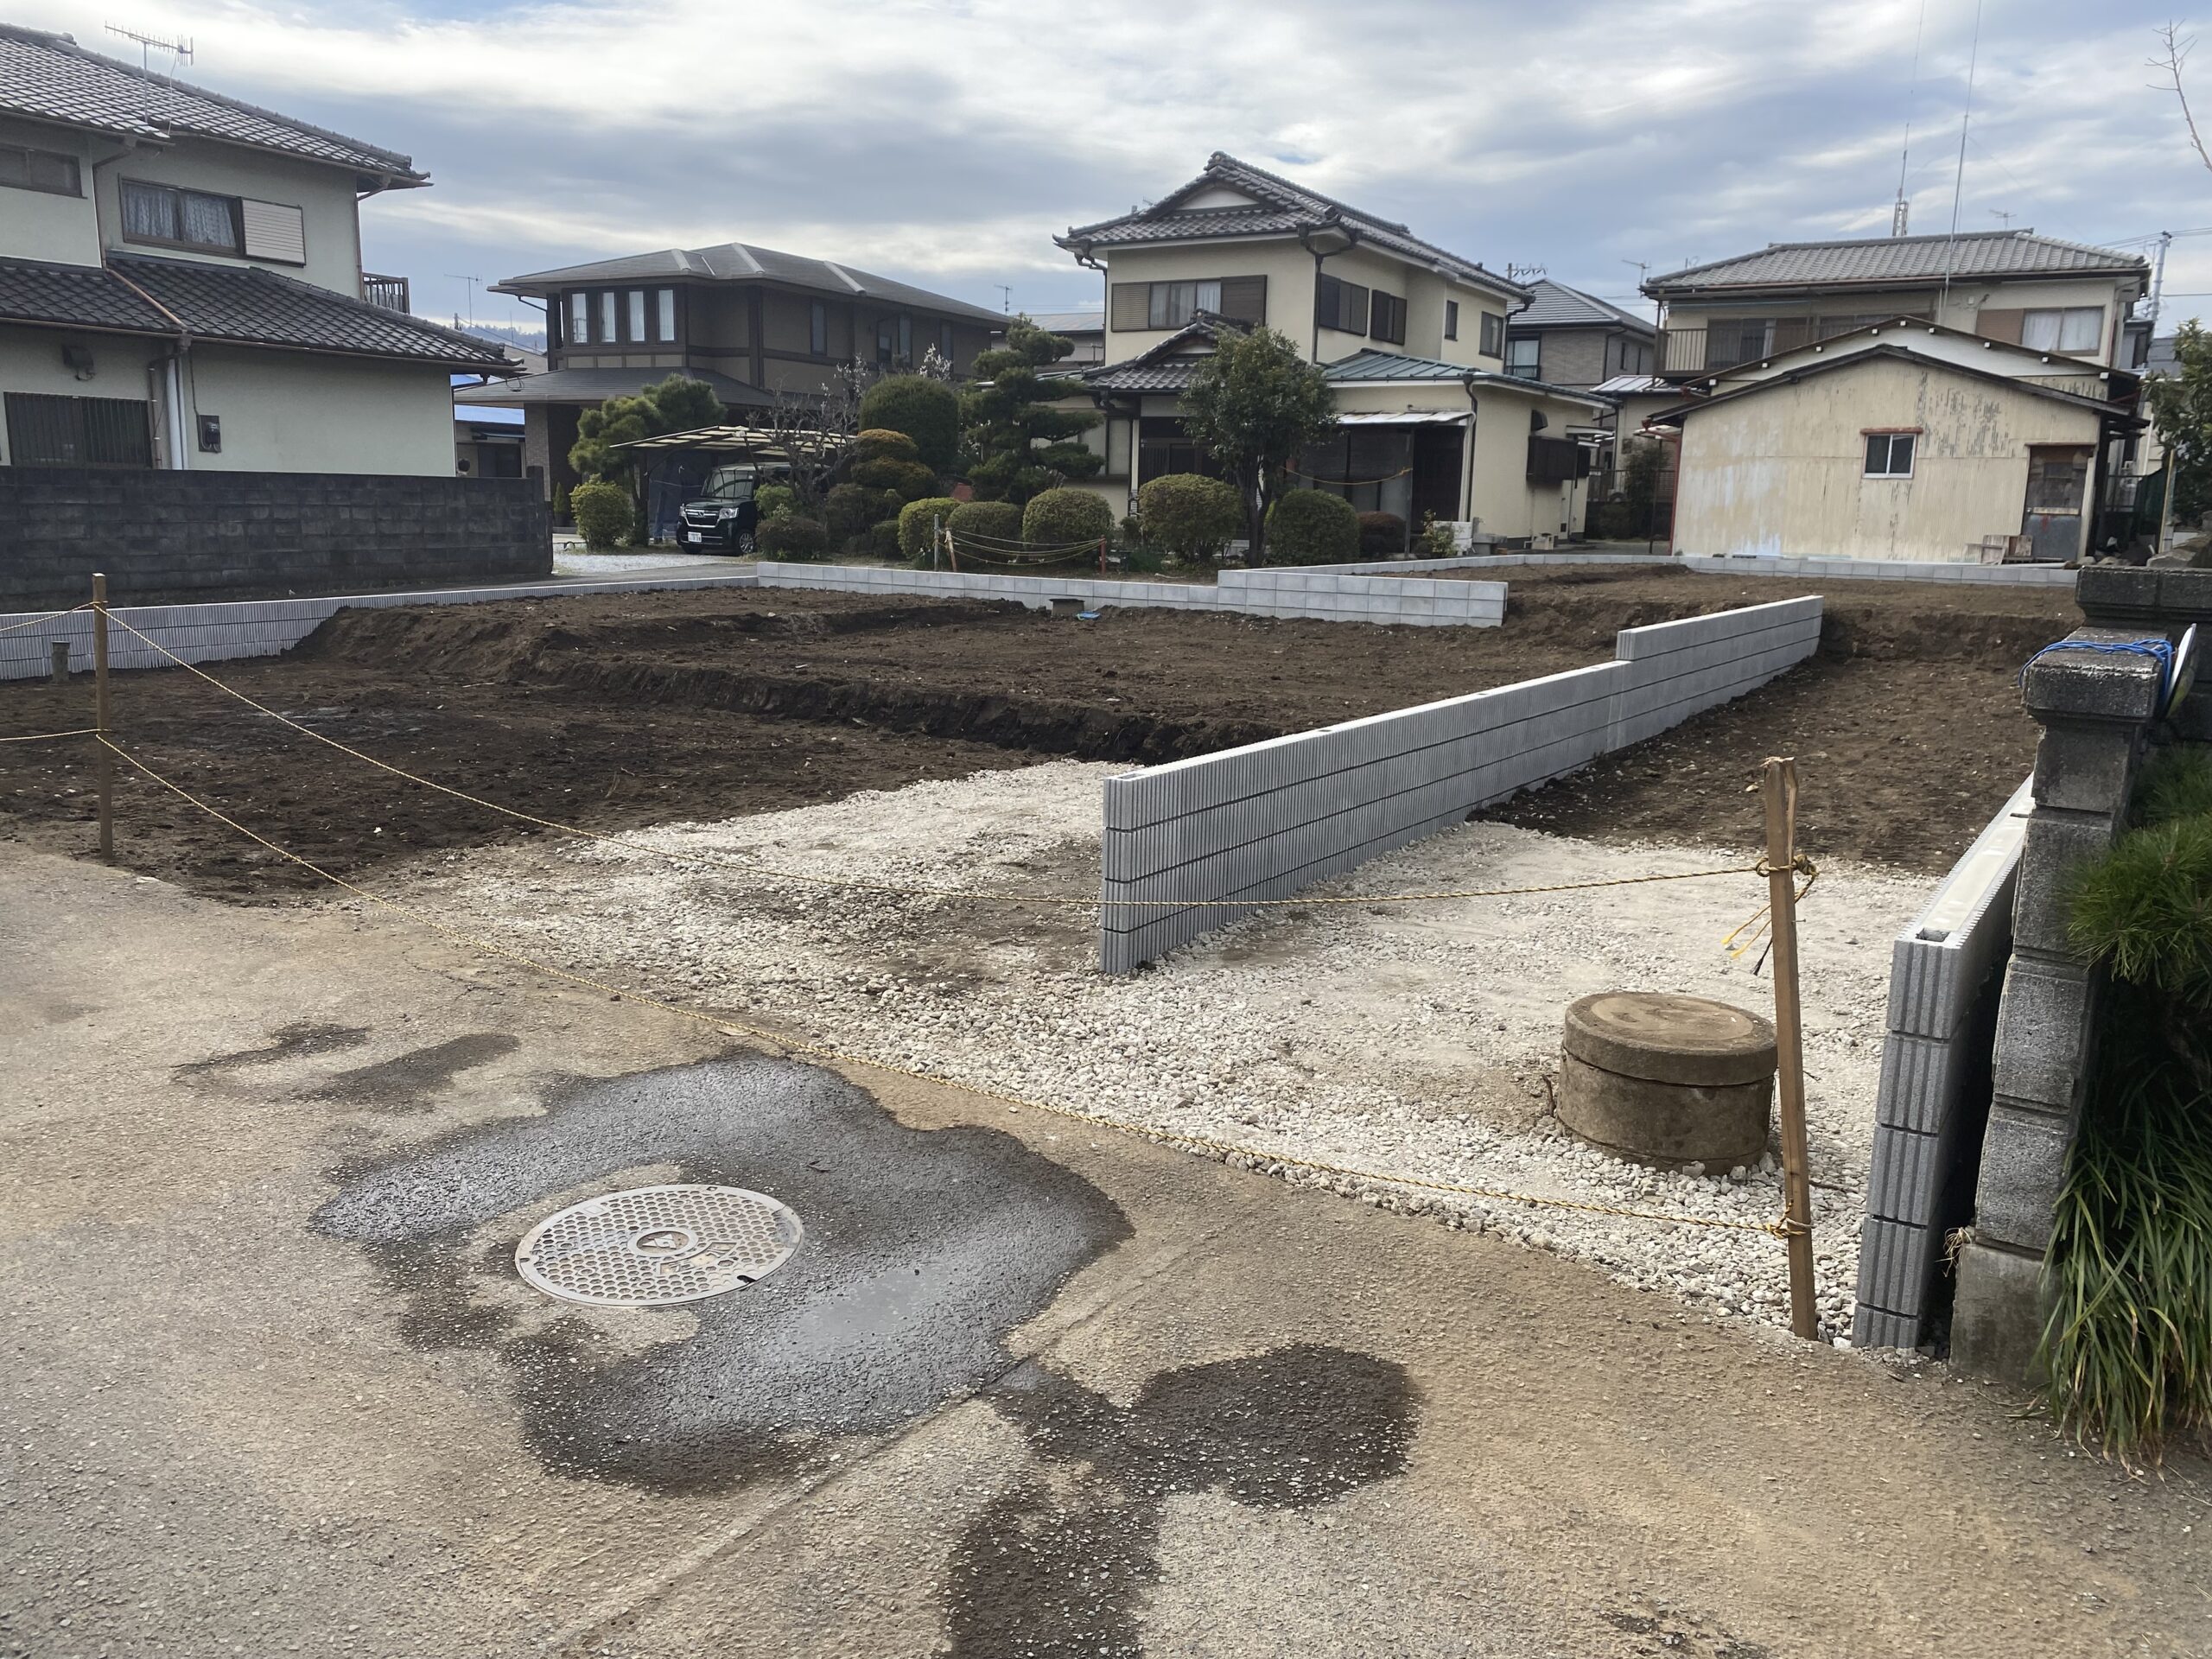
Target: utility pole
2158,278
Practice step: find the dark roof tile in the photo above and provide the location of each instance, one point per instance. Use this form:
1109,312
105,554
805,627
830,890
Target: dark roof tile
1970,254
1555,305
742,262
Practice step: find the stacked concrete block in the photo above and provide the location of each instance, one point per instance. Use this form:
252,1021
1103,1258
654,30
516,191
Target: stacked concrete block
2095,704
221,633
1261,821
1930,1112
2027,575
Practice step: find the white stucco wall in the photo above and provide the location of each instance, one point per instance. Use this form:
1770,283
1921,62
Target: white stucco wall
289,412
1781,472
39,225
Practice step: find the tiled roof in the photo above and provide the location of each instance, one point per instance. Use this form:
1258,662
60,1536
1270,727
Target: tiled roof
227,304
1165,365
2112,411
1282,209
1874,260
745,262
1557,306
51,78
1372,366
1069,322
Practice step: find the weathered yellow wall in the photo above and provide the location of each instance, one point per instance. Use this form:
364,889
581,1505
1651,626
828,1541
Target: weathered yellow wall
1781,472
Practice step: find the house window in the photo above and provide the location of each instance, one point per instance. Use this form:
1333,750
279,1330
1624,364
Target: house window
945,341
1524,357
636,307
905,339
664,312
179,219
603,325
1163,449
887,341
49,431
1341,305
1388,318
1493,341
2077,331
579,319
1171,305
50,170
1889,454
817,328
1451,319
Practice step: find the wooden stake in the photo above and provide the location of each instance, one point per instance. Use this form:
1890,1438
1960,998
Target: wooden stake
106,758
1778,787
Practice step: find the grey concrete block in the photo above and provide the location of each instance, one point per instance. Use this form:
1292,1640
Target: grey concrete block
2084,765
1897,1261
1872,1327
1998,1314
2093,684
2042,1032
2023,1156
2055,847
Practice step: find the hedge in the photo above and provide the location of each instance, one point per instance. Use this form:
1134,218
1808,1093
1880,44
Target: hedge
1189,515
916,519
790,537
926,410
603,514
1381,535
987,521
1062,516
1312,527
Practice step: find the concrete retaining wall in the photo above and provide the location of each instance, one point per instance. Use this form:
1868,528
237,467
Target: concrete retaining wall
2030,576
1263,821
1288,591
1945,972
214,633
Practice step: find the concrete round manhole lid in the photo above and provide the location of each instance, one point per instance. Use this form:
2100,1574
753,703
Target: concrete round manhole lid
653,1245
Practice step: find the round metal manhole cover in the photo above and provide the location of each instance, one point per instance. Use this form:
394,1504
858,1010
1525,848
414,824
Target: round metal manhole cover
653,1245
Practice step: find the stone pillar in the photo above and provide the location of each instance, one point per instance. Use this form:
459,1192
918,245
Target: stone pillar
2095,707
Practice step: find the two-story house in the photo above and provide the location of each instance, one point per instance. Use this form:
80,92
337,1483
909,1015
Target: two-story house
1917,397
1573,338
751,322
1412,339
180,284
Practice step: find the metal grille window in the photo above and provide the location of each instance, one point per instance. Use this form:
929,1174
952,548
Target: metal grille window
190,218
49,431
1341,305
39,169
1889,454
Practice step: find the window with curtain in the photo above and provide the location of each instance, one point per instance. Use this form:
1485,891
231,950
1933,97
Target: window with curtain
2077,331
604,332
191,219
1173,304
579,319
664,312
636,306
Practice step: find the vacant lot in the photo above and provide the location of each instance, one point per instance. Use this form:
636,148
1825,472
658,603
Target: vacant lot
618,710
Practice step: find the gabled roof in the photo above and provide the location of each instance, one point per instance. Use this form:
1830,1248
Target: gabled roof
1065,323
2112,412
2059,364
1555,305
1278,207
1889,260
746,262
51,78
1370,366
1165,365
137,296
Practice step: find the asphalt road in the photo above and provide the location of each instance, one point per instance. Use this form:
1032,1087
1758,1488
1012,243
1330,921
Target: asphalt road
274,1387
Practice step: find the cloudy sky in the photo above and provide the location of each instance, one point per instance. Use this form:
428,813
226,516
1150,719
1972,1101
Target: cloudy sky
946,141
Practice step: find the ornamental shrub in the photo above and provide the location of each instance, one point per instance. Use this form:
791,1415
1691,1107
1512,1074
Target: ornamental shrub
907,480
1381,535
925,410
915,519
603,514
882,443
851,508
1312,527
774,500
1066,515
880,540
787,536
1189,515
989,522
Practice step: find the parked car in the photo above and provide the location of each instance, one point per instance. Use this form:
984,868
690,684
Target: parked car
721,514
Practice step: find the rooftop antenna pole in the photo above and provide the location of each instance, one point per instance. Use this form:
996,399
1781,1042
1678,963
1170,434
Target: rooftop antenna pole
179,51
1006,298
1643,271
1958,179
2158,279
1902,213
472,281
2000,213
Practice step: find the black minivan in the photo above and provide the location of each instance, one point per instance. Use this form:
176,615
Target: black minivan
720,513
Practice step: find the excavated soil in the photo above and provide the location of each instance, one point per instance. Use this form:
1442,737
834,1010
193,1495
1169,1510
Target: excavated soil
617,710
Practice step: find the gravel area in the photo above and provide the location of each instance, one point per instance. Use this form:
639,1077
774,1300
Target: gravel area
1417,1038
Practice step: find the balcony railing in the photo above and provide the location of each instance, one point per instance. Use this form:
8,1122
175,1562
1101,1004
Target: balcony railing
1682,351
389,292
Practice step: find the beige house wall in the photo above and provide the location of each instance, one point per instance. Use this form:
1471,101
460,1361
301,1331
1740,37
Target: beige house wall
292,412
30,360
323,194
1287,267
37,224
1781,473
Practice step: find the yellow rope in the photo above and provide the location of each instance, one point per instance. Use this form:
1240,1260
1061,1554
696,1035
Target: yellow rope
45,737
733,1026
32,622
859,884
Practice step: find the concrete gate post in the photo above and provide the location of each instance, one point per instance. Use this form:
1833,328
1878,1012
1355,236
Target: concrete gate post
2095,707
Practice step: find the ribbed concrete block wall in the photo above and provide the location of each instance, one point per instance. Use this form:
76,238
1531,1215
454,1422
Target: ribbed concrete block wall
220,632
1320,595
2030,576
1263,821
1944,977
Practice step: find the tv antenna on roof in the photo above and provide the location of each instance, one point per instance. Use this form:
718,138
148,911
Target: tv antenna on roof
1006,297
1514,273
472,281
179,51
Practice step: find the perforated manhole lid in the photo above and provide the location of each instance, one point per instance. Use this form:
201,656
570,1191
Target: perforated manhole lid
653,1245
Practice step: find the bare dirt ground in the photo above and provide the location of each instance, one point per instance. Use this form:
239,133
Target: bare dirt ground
613,711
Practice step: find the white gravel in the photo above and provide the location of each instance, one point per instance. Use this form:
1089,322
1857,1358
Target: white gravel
1409,1039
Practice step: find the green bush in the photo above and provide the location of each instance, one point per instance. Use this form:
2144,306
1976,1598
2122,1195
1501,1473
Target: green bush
604,517
1189,515
880,540
2144,910
882,443
2176,783
1381,535
1062,516
990,521
907,480
1312,527
1435,539
1142,561
774,500
916,519
790,537
926,410
560,505
851,508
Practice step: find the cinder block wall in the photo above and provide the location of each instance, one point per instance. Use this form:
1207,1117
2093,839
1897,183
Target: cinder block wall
1263,821
1945,970
165,535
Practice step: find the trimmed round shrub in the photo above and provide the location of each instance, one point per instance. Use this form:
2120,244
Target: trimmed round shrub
987,521
881,443
1312,527
774,500
604,516
926,410
915,519
1066,515
881,540
790,537
907,480
1189,515
851,508
1381,535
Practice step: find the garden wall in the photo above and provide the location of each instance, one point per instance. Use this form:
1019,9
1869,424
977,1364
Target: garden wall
1263,821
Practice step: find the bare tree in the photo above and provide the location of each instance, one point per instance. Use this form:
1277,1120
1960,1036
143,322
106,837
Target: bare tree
816,430
2178,47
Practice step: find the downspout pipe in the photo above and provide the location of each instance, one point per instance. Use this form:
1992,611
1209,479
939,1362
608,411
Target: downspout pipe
1467,477
172,377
